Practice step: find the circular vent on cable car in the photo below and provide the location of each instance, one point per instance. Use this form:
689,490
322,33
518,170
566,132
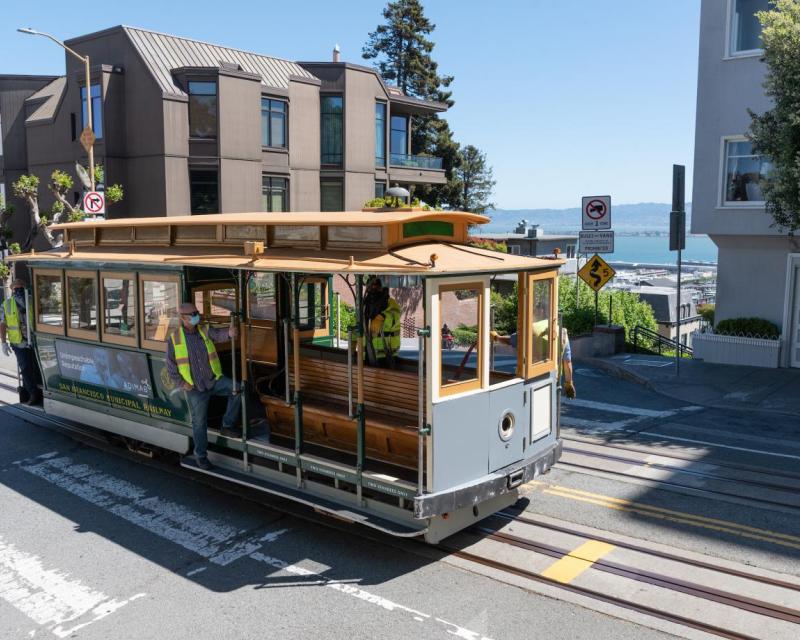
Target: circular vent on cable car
505,427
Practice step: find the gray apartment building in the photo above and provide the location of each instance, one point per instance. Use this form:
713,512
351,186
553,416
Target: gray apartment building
759,266
191,127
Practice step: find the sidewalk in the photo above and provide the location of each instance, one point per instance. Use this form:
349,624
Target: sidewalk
707,384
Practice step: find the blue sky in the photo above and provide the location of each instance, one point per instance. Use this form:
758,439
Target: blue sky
566,97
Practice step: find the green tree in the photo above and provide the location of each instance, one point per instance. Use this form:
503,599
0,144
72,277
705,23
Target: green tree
776,133
473,176
402,52
60,185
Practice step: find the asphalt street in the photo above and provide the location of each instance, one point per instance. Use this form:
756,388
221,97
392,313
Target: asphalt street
622,414
93,545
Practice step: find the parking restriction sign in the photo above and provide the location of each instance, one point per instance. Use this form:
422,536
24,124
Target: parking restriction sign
596,213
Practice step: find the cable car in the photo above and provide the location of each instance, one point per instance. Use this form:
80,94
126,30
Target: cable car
436,435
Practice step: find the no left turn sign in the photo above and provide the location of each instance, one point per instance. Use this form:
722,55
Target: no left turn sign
94,203
596,213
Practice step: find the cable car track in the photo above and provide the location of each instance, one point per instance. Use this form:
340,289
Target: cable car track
760,501
783,473
752,605
98,439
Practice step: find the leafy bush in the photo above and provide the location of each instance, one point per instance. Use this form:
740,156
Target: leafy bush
389,202
349,318
706,311
464,335
491,245
747,327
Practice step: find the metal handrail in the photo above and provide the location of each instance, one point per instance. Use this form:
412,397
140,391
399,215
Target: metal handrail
661,342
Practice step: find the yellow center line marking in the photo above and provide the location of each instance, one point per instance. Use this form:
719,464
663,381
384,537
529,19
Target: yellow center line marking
577,561
661,516
680,514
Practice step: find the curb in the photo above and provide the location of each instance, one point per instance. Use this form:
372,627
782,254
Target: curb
624,374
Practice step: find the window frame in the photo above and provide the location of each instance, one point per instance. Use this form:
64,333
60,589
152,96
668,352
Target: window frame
206,169
215,82
325,298
722,203
322,115
407,132
338,181
381,162
446,390
144,342
48,328
111,338
270,100
86,334
271,177
729,53
525,365
97,113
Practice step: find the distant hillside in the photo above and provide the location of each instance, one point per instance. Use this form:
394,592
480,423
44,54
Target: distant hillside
630,218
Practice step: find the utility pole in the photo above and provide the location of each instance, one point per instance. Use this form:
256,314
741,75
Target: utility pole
88,143
677,242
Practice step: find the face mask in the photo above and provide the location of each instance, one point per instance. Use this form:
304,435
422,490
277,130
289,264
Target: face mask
195,319
19,292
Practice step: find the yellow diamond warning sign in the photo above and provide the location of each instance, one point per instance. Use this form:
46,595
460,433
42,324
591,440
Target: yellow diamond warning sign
596,272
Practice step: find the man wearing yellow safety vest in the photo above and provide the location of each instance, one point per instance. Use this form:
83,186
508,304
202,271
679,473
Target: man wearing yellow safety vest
194,366
382,316
14,328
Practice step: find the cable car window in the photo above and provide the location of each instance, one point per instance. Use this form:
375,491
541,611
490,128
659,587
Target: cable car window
503,321
49,301
82,292
312,306
216,303
261,299
160,299
119,307
461,311
540,323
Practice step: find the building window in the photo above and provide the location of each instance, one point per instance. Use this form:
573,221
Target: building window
204,190
380,135
331,195
399,137
203,110
97,110
745,29
380,189
331,109
273,123
274,194
743,171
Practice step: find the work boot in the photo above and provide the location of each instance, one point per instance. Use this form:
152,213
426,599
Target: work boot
231,432
204,464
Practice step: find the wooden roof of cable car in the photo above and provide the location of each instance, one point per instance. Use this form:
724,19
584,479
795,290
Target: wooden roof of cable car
366,217
428,255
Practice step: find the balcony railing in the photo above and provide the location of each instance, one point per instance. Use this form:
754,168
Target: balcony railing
415,162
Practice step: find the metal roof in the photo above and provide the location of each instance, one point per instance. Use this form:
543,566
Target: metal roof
161,53
51,95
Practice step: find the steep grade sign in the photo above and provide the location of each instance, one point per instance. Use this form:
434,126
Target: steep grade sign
596,272
596,213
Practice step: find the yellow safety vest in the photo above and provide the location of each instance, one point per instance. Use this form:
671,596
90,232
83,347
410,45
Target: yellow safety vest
13,331
182,354
389,334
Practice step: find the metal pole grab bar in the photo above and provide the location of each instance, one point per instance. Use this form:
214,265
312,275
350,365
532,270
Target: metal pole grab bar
286,359
350,373
423,429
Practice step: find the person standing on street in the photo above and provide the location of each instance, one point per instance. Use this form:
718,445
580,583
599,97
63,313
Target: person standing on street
194,366
14,336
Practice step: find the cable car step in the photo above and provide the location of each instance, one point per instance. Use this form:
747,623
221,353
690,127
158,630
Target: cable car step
323,505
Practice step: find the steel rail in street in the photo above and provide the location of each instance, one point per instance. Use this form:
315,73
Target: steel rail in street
656,553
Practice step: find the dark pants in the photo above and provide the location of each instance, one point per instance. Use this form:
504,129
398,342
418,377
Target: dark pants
198,404
27,370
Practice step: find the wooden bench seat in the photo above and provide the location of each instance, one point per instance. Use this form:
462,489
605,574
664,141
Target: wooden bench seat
390,399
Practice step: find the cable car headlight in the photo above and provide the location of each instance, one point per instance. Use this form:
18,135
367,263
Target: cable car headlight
505,428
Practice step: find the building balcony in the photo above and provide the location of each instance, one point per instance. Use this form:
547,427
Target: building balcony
415,162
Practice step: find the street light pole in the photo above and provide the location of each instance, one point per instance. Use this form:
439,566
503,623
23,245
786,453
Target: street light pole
85,60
